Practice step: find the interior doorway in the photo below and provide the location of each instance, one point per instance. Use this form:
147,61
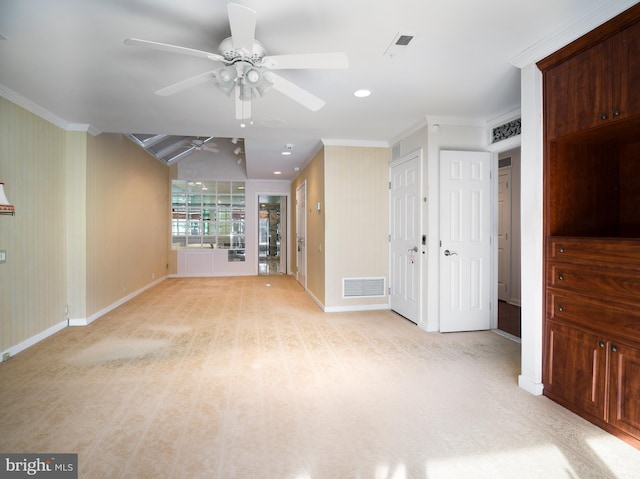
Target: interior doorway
272,258
509,257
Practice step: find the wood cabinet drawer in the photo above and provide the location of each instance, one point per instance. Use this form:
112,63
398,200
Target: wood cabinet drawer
608,252
609,317
619,284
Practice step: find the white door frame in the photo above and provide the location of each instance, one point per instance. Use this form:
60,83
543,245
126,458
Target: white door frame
467,293
504,228
496,149
301,187
420,254
285,221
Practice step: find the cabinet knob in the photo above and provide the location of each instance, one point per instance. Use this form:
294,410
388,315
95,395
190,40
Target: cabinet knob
560,308
560,249
614,349
616,112
601,344
560,277
603,116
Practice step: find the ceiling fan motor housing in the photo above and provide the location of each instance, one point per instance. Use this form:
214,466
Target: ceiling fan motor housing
232,54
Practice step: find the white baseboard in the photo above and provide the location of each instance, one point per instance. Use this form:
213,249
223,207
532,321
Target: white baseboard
361,307
315,300
111,307
13,350
530,386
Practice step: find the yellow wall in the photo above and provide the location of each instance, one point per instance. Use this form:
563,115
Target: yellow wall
357,208
127,220
91,224
349,236
313,175
32,282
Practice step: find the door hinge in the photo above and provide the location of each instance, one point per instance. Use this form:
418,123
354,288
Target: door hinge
389,289
389,238
389,185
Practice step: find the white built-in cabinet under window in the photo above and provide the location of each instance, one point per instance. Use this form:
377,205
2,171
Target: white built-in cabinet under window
208,215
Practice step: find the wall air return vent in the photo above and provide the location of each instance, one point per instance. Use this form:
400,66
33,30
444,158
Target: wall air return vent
363,287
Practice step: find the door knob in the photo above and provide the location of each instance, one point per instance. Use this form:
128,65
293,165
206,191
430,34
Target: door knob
449,253
414,249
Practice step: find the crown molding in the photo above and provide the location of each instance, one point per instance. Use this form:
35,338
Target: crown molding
504,118
408,131
43,113
556,41
356,143
455,121
83,127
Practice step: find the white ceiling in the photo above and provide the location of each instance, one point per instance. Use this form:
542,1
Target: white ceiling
68,57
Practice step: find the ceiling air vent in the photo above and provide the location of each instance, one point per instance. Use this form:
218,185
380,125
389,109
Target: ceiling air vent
398,44
404,40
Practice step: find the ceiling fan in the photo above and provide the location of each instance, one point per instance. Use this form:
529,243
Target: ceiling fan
244,68
203,145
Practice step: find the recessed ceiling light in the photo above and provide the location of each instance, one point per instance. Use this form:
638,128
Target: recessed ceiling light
277,172
286,153
362,93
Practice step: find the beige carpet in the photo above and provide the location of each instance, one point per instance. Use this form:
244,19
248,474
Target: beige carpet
247,378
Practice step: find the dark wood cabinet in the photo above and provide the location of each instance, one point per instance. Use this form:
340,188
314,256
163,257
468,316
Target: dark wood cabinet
592,359
576,369
597,376
624,410
594,87
592,225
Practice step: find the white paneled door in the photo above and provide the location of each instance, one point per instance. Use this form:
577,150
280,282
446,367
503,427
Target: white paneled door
405,249
504,234
465,247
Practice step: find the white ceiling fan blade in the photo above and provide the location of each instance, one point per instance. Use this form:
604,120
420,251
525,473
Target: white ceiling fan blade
186,84
242,21
296,93
337,60
243,107
210,143
165,47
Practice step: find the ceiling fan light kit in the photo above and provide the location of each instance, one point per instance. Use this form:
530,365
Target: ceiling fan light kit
246,67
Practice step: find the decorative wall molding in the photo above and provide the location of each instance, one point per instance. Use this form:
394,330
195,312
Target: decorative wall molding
506,130
45,114
356,143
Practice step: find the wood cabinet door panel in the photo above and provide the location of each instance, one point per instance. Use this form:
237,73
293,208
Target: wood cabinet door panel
578,91
625,389
627,98
576,368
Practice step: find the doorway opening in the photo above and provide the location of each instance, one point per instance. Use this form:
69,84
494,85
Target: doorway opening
509,258
271,242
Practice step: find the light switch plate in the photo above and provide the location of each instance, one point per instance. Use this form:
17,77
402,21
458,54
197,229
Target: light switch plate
3,255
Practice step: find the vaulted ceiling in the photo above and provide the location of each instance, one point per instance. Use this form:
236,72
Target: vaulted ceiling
69,57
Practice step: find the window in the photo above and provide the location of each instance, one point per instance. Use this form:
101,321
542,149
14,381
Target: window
209,214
